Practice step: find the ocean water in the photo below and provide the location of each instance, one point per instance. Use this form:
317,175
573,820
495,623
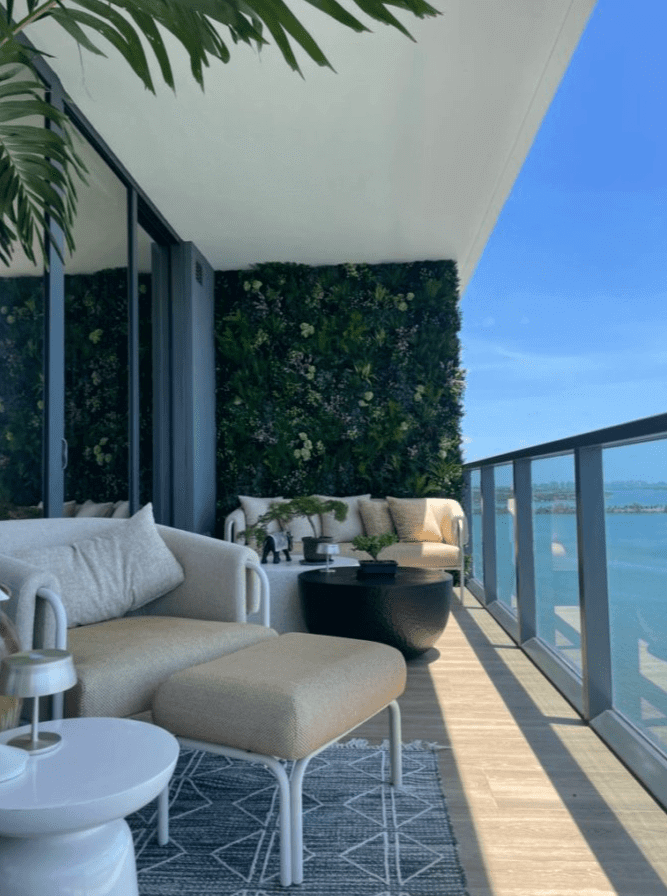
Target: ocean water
636,541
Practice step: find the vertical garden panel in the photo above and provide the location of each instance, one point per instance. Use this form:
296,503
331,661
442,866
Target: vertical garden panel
338,380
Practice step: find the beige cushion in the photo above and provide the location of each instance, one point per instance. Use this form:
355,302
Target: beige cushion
449,512
69,508
423,554
414,519
108,574
376,517
253,508
300,527
121,510
120,663
89,508
351,526
284,698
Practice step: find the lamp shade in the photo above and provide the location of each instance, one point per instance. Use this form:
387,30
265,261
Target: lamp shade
36,673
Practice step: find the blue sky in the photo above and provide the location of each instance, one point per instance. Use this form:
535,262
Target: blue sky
565,319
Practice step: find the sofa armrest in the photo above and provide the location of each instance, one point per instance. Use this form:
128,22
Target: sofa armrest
454,526
218,581
454,529
24,582
234,524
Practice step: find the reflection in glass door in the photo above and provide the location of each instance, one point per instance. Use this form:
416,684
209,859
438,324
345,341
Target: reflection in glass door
145,367
21,388
96,349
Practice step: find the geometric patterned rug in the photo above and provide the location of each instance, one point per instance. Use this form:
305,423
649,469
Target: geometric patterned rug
362,837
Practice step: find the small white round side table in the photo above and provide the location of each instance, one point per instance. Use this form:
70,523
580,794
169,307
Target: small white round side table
62,822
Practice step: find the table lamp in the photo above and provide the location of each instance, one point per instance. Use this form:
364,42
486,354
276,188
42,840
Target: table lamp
329,550
37,673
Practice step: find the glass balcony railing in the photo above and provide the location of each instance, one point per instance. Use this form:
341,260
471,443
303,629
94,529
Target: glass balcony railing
568,551
554,517
505,533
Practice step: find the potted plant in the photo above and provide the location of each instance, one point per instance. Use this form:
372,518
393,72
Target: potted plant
283,512
373,545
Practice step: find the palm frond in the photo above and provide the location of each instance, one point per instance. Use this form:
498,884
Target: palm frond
37,187
39,167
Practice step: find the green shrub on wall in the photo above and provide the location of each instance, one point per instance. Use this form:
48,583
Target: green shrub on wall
338,380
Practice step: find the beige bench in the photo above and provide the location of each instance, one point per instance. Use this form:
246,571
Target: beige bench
287,698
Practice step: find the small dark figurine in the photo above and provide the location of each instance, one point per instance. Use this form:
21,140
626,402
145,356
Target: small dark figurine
274,544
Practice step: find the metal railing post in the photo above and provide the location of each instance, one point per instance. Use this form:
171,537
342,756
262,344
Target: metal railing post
594,600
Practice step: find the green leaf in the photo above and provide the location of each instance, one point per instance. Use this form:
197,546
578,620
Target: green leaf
36,168
118,32
149,29
39,166
65,20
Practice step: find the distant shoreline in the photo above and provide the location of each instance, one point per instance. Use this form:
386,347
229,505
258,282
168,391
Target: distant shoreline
570,508
626,508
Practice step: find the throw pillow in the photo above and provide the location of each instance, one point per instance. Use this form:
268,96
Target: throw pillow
253,508
300,528
103,577
121,510
445,511
351,526
376,517
414,519
90,508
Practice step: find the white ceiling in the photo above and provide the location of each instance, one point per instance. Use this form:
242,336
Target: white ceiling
407,153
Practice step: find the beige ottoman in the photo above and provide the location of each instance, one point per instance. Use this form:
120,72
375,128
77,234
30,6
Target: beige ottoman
287,698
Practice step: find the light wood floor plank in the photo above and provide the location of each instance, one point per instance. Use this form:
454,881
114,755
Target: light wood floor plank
540,806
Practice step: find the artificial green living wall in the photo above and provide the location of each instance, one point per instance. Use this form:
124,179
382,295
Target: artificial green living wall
338,380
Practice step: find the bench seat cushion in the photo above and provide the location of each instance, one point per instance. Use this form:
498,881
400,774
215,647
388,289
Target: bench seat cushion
121,662
283,698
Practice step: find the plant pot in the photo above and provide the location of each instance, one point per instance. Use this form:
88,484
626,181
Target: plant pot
310,544
376,568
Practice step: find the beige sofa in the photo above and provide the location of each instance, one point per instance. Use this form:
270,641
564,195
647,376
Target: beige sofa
432,532
126,641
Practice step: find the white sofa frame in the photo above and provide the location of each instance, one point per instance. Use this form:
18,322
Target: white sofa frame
60,530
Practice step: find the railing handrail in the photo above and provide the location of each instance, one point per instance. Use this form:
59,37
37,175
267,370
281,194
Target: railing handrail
643,429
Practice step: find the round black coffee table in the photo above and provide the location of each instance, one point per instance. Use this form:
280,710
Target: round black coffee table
408,610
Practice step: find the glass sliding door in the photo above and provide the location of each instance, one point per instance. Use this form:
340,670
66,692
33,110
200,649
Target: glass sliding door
22,395
146,441
22,310
96,348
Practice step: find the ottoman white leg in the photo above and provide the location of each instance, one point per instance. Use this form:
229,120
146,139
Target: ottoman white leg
395,744
99,861
296,797
278,770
